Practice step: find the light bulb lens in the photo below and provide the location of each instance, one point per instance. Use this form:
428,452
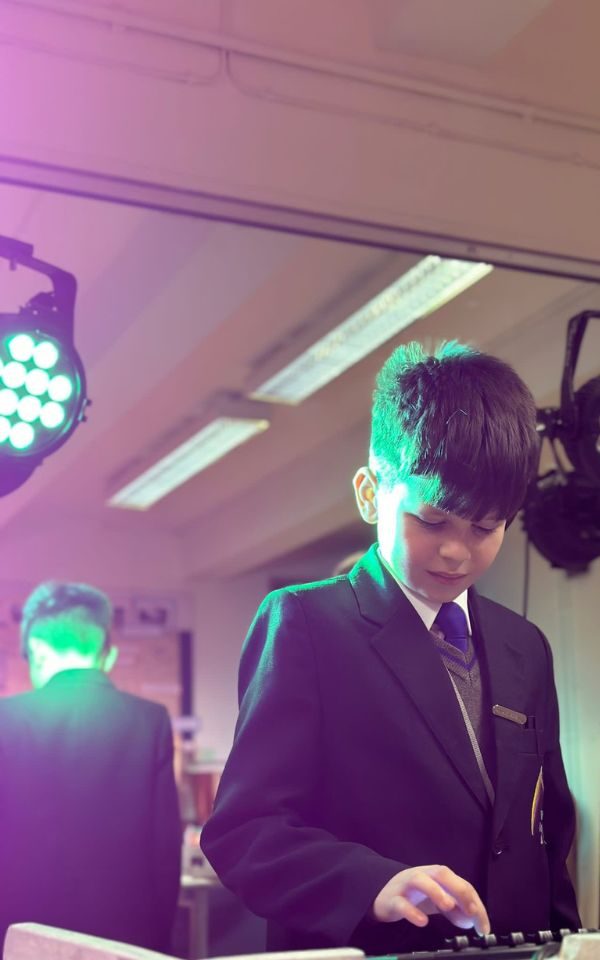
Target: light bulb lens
52,415
9,402
60,388
21,347
22,435
36,382
29,408
14,374
45,355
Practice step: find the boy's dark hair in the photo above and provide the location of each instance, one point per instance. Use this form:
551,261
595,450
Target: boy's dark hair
52,599
461,418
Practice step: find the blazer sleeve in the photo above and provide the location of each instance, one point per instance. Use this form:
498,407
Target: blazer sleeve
559,813
166,835
265,838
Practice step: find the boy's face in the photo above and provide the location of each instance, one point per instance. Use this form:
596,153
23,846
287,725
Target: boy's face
434,553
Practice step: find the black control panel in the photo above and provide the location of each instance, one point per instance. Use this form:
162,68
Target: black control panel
509,946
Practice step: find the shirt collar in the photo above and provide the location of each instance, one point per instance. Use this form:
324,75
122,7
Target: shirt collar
79,674
428,609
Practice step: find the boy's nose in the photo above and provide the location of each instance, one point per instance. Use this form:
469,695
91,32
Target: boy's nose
455,550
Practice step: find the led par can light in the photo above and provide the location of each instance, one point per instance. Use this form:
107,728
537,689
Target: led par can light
42,379
42,392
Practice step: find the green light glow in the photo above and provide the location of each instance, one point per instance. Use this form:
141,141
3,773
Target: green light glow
41,382
22,435
52,415
9,402
45,355
36,382
14,374
29,408
21,347
60,388
66,642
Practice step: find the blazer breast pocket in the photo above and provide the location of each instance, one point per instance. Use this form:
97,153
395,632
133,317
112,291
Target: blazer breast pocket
527,741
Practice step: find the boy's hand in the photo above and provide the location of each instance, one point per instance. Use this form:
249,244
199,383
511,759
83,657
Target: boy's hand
414,893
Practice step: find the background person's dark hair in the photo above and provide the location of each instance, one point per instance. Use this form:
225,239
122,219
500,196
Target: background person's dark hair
53,599
461,418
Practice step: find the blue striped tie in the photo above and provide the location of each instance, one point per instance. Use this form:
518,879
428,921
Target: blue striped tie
453,623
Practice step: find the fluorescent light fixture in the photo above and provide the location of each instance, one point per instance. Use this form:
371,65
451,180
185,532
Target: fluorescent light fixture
205,447
431,283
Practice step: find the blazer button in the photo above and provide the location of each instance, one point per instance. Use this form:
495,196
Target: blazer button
498,848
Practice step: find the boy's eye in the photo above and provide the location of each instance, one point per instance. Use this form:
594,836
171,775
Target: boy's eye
428,523
483,530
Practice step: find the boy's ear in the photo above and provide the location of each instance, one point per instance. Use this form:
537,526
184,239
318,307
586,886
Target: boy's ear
365,490
110,658
37,647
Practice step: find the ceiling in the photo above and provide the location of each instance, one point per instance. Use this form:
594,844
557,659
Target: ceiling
172,309
519,49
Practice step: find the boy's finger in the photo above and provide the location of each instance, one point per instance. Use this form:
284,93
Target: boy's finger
464,893
467,899
440,898
481,922
478,914
403,909
467,922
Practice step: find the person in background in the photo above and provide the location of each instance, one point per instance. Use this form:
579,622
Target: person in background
90,832
396,773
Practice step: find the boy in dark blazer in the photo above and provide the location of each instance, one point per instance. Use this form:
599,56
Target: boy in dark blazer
89,820
396,774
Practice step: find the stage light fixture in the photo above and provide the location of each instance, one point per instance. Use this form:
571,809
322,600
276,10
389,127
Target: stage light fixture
561,513
42,380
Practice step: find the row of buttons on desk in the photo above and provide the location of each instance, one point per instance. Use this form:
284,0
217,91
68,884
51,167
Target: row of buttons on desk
516,939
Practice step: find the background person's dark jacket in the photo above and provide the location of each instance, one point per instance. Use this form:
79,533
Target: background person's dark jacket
351,761
89,822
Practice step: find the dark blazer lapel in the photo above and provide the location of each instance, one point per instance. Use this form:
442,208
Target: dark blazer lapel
407,648
506,672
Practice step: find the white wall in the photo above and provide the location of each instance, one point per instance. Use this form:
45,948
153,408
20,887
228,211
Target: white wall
111,558
224,611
